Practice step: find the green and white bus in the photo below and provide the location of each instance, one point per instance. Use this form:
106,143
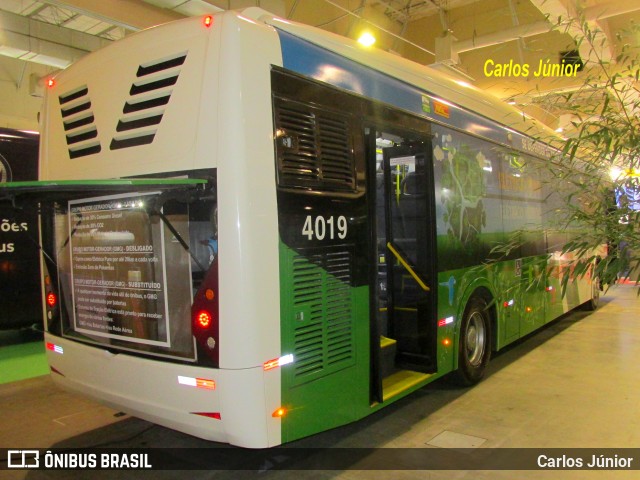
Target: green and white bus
254,231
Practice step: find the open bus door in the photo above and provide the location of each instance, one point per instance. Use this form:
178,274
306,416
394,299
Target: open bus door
405,250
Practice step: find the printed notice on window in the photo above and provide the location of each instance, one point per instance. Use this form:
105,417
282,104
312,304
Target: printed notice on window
119,253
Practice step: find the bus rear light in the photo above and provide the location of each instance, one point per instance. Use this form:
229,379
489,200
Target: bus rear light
204,315
203,319
54,348
204,383
51,299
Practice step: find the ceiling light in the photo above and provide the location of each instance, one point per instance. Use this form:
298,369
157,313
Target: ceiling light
367,39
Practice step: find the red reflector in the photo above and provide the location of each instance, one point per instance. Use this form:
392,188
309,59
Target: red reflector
208,21
215,415
203,318
51,299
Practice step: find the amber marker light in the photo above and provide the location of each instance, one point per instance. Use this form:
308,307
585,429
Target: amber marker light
208,21
446,342
51,83
279,413
209,294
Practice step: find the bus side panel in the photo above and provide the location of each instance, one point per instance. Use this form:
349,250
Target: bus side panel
324,254
325,327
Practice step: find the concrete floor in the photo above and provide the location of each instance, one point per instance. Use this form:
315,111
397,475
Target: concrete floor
574,384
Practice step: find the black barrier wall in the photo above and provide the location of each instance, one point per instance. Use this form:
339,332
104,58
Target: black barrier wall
20,298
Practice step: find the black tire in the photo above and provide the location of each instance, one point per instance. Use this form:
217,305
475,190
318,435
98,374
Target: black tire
474,345
592,304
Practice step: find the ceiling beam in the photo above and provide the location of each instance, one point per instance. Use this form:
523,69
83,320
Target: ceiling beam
600,49
40,42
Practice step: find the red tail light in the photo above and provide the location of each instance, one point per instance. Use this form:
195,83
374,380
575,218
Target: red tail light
204,315
203,319
52,300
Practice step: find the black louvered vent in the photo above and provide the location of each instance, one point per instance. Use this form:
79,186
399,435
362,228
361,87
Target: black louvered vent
81,133
148,95
323,337
314,148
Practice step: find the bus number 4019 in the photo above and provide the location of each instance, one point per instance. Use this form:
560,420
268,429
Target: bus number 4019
322,227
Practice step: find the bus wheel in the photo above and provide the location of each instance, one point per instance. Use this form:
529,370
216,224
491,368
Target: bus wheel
474,346
594,301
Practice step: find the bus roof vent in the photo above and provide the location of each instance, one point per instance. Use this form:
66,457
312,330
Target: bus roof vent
79,122
314,148
148,96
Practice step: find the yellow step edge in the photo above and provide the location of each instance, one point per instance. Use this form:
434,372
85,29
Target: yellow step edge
400,381
386,342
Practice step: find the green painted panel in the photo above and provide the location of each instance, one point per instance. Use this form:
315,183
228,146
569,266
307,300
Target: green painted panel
325,325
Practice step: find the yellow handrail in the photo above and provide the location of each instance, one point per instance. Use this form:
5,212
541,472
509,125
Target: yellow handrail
408,267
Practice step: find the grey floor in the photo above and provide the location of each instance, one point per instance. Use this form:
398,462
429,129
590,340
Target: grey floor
574,384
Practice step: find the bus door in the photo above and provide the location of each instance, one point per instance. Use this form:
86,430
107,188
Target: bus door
405,250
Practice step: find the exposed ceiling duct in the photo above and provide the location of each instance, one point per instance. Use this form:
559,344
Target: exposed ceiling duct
34,41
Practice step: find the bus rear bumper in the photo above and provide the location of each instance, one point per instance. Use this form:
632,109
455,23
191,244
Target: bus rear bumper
182,397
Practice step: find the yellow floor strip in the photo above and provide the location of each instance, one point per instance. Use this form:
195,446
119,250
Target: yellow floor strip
386,342
401,381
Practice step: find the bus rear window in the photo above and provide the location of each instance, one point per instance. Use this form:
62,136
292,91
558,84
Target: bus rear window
128,266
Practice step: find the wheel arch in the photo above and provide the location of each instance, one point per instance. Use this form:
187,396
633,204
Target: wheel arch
480,289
